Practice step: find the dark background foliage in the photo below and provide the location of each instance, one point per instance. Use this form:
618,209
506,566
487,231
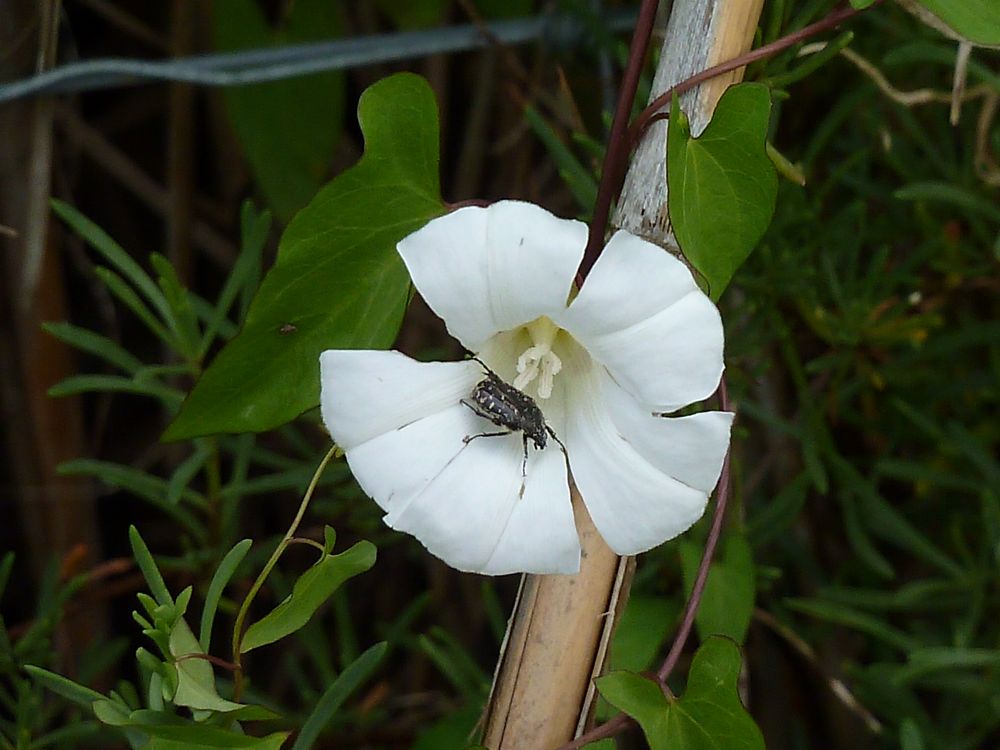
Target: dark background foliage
863,355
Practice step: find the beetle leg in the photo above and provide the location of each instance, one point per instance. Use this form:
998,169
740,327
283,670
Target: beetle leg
469,438
524,461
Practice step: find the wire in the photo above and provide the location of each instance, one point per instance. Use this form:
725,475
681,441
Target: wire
272,64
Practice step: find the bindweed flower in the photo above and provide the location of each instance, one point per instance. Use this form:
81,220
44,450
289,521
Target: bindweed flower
639,340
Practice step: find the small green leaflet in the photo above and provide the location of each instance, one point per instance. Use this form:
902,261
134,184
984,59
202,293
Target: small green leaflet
312,588
977,21
727,603
338,282
722,186
195,677
708,716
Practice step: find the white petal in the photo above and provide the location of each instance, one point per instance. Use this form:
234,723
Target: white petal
632,280
667,361
394,467
634,505
641,315
367,393
540,535
690,449
486,270
472,514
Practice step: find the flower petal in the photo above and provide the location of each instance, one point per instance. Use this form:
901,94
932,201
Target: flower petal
632,280
634,505
486,270
640,314
367,393
540,535
473,515
690,449
394,467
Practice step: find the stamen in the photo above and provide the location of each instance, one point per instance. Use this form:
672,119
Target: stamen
538,360
551,365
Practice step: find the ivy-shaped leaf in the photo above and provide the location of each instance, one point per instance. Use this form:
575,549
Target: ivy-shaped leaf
722,185
338,282
312,588
708,716
727,603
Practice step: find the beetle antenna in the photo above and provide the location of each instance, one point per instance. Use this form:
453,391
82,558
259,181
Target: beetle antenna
474,358
555,437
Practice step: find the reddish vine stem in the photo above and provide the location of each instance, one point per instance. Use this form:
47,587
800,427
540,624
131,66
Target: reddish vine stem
691,608
618,141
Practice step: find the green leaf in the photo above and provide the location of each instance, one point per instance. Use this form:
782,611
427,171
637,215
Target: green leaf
722,185
312,588
184,473
727,603
152,489
708,716
182,320
147,565
219,582
932,660
195,678
643,628
114,384
451,731
183,733
113,253
413,15
338,281
861,4
577,177
71,691
246,271
270,742
910,737
288,128
127,296
354,675
876,627
94,343
977,21
110,712
943,192
6,566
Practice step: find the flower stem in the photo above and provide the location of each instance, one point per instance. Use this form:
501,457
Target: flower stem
268,567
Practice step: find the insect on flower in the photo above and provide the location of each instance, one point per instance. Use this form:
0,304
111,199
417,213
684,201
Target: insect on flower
506,406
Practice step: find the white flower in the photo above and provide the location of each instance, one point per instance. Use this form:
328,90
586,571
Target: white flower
639,340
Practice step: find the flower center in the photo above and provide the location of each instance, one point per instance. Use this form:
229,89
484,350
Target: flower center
538,360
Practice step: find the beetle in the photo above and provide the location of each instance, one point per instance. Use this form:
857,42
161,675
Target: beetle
506,406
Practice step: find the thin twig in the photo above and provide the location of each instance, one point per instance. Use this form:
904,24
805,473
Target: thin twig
837,686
